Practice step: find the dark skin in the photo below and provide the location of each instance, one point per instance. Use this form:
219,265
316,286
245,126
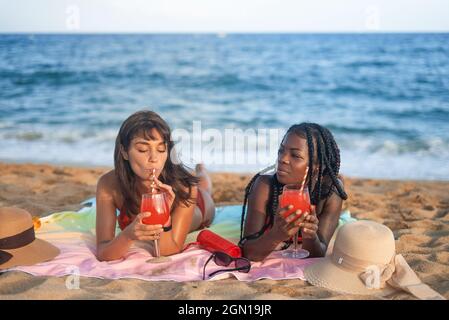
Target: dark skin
292,162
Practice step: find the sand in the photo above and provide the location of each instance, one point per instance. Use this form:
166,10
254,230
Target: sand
416,211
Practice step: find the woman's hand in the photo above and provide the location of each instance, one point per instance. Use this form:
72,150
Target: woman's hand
136,230
169,194
286,227
309,226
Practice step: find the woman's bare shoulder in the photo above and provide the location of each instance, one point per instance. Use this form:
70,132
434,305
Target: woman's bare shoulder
108,181
108,186
261,185
332,204
264,178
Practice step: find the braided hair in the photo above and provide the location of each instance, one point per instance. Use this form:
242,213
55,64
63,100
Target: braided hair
326,160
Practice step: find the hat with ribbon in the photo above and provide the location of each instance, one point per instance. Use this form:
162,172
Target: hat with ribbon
364,261
18,243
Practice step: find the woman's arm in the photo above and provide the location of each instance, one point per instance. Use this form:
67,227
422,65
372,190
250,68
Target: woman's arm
318,233
172,242
282,229
109,247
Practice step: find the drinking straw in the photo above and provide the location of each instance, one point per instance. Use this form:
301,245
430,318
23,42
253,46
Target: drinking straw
304,180
153,172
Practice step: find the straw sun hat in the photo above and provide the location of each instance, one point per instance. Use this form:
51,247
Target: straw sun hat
364,261
18,244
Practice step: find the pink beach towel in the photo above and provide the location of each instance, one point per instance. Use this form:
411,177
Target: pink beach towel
73,233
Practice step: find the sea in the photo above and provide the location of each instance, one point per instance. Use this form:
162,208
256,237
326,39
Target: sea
229,98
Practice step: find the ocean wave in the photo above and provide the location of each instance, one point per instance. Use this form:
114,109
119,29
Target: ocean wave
439,114
360,130
370,64
392,92
25,136
225,81
74,77
59,135
404,167
432,146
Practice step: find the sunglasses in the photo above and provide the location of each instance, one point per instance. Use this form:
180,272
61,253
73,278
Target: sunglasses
224,260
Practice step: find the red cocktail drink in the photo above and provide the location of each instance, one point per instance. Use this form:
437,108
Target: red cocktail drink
299,199
156,204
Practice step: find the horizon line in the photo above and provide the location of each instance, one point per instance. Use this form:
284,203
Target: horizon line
222,32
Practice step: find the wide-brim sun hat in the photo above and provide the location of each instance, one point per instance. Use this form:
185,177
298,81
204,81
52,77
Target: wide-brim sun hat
18,243
363,261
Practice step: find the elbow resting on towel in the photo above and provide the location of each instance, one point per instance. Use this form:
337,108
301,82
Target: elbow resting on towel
102,256
170,250
253,255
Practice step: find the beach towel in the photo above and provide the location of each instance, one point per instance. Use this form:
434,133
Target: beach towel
74,234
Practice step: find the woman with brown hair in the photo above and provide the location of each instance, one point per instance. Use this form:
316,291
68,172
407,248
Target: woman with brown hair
144,144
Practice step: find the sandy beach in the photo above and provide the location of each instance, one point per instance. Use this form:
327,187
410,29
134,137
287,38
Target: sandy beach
417,212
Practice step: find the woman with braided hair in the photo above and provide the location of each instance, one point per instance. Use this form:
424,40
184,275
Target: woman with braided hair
305,146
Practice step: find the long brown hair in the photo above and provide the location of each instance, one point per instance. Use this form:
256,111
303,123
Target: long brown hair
175,175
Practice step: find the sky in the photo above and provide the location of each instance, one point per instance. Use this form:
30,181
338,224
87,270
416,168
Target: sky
112,16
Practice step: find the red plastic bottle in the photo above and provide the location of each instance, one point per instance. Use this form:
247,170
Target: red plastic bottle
213,242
